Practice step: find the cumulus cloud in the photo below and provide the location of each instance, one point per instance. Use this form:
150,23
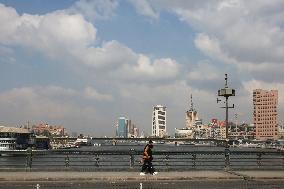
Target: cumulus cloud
148,70
6,55
92,93
237,32
145,8
70,38
257,84
111,55
53,34
209,46
36,103
205,75
94,9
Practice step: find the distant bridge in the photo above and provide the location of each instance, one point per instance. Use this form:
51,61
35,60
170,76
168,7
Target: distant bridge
158,140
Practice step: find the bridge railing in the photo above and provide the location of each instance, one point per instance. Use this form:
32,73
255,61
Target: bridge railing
65,160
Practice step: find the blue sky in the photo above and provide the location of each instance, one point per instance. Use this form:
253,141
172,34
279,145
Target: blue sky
82,64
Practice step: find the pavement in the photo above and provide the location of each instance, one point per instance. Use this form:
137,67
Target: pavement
134,176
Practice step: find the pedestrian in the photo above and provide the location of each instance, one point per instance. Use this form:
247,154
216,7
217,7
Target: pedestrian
147,166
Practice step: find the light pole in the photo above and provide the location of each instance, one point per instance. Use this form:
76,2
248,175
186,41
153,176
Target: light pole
226,92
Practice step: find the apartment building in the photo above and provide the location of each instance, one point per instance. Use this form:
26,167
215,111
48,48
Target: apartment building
159,128
265,115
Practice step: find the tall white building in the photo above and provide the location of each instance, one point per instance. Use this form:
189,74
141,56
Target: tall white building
159,127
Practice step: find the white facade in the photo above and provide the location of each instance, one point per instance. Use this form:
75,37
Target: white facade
184,133
159,126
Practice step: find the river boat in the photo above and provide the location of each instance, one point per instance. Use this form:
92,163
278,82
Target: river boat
7,144
12,138
187,144
83,142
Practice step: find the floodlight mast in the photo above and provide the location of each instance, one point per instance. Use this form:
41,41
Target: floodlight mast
226,92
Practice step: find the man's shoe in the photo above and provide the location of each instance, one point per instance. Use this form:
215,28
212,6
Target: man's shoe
142,174
155,173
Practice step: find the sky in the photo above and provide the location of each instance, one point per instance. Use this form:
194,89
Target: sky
84,63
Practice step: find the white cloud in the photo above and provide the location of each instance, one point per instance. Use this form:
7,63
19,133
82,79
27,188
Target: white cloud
94,9
92,93
237,32
6,55
161,68
210,46
249,86
204,71
70,38
144,8
148,70
111,55
24,103
57,35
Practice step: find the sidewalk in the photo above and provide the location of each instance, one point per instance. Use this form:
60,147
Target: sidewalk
134,176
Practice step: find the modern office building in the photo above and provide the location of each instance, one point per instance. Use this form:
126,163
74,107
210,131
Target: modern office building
122,127
265,114
125,128
159,128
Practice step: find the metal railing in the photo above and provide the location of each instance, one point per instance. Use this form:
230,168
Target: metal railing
33,160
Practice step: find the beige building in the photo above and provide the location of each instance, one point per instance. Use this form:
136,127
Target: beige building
191,116
281,131
223,132
265,114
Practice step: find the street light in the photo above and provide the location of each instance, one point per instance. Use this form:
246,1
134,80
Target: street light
226,92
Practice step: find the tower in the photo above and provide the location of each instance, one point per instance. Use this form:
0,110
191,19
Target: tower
159,128
190,116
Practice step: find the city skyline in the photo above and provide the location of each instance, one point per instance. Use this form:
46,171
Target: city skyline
82,63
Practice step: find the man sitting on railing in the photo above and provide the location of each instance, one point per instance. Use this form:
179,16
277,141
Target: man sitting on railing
147,166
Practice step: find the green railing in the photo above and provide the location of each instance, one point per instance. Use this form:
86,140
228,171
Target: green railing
104,160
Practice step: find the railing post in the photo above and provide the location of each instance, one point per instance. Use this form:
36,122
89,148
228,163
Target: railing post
167,161
97,163
283,159
29,158
132,159
227,157
258,160
193,161
67,161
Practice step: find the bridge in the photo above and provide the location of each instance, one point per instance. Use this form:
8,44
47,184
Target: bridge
157,140
79,168
129,160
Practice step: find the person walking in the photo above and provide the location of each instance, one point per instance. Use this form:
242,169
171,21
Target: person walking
147,166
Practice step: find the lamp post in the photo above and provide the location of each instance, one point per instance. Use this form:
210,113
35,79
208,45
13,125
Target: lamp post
226,92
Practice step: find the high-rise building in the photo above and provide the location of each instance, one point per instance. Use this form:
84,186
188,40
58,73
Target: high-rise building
265,114
159,128
122,127
125,128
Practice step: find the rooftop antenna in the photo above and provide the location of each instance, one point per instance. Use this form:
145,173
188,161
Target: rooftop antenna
191,103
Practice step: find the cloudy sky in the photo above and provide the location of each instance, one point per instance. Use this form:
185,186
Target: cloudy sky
82,64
